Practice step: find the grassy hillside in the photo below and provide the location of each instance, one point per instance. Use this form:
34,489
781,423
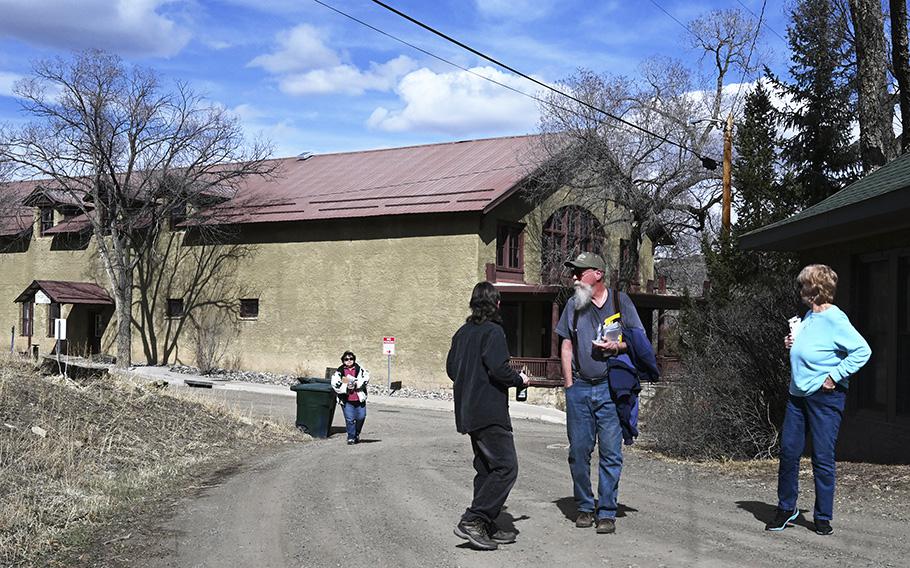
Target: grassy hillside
75,456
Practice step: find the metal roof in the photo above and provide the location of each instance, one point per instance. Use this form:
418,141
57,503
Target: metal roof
473,175
63,292
14,218
75,224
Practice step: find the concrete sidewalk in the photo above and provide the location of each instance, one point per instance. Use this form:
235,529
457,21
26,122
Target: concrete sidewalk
518,410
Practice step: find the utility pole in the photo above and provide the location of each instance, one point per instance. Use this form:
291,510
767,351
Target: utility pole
728,174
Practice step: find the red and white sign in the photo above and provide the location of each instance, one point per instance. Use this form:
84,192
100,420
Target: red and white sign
388,345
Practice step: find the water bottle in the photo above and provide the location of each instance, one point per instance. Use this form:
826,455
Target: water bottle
521,393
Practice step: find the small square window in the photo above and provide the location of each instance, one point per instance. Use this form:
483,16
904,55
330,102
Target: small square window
175,307
249,308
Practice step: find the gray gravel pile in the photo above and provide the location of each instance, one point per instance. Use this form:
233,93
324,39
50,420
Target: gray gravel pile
263,378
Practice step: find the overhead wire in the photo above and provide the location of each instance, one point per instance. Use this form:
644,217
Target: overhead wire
706,161
767,26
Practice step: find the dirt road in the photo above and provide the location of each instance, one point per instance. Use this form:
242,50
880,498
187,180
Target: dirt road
394,499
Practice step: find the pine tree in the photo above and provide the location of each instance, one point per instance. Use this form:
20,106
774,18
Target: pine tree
821,105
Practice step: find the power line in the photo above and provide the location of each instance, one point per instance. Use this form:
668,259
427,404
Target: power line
765,24
661,8
705,161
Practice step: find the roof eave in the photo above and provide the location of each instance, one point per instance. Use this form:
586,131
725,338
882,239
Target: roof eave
865,218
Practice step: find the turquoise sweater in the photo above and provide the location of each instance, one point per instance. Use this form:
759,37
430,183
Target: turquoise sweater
827,344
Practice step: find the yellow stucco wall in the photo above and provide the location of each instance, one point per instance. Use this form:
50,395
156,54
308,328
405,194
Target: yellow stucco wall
328,286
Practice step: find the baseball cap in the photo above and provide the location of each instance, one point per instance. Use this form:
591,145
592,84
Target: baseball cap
588,260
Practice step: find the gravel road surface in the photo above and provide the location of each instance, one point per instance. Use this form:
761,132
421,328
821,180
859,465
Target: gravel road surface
394,499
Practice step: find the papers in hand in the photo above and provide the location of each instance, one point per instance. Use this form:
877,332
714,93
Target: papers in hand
796,323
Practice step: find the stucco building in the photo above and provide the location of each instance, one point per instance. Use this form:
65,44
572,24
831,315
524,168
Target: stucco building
335,252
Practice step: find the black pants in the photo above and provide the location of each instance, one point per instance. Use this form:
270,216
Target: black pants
496,464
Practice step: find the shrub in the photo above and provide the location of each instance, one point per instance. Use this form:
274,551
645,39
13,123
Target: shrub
730,399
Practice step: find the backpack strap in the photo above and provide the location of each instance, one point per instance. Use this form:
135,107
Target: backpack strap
574,333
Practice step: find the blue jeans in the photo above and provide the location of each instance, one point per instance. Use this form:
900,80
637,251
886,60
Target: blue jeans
820,414
591,417
355,413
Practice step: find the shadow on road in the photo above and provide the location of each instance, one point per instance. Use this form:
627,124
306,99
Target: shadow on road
567,506
764,513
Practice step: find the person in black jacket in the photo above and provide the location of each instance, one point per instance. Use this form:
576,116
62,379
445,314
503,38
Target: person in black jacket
478,364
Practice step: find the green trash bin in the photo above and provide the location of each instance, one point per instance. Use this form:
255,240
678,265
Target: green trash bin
315,407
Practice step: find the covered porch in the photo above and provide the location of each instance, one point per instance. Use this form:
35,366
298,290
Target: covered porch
531,313
85,307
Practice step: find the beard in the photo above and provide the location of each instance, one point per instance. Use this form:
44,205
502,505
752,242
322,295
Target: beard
583,295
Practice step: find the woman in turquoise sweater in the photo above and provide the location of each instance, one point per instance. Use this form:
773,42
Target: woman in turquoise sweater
825,350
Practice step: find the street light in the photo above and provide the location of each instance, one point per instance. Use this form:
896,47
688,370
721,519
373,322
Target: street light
728,167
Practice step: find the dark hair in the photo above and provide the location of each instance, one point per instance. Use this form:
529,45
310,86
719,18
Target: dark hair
484,304
348,354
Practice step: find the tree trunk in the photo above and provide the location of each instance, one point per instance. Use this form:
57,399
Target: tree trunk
124,306
900,54
876,138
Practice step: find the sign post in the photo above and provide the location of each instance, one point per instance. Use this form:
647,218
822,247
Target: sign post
388,349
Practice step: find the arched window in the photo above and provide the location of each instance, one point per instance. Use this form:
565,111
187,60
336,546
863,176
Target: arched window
568,231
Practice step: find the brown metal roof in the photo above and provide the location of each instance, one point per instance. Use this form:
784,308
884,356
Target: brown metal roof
75,224
14,218
472,175
67,292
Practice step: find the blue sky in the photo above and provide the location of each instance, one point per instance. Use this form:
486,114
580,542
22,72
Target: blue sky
311,80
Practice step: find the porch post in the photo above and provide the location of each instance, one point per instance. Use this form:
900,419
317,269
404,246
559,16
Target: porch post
661,331
554,338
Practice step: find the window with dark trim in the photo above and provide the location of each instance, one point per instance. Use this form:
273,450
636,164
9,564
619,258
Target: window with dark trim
175,307
26,320
510,247
53,312
177,215
47,220
568,231
249,308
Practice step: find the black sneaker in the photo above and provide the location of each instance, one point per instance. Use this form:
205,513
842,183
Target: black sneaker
475,532
584,520
351,441
501,536
606,526
782,519
823,528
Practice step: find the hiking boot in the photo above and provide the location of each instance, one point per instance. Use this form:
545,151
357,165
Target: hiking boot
501,536
476,533
585,520
782,519
606,526
823,528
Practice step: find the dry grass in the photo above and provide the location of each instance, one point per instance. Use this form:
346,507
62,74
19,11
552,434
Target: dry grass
106,446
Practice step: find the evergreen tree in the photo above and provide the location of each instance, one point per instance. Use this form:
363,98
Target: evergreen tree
821,105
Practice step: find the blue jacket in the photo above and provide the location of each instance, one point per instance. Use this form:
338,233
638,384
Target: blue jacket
625,381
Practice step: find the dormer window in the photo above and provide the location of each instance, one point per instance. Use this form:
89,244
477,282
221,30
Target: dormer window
46,222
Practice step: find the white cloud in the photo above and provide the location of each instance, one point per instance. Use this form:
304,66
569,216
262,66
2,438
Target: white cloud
304,64
524,10
348,79
458,103
124,26
7,81
299,49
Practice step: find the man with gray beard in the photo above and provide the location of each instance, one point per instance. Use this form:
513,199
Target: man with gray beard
591,412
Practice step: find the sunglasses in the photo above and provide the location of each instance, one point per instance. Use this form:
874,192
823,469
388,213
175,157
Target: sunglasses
347,358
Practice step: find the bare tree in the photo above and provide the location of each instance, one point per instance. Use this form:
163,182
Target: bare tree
876,109
129,151
647,182
199,267
900,56
627,177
